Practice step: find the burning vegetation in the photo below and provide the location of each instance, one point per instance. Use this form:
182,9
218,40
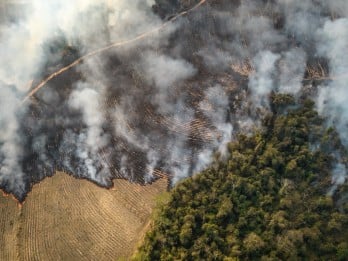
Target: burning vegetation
250,94
271,199
131,89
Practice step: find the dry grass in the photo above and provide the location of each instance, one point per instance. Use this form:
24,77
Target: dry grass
68,219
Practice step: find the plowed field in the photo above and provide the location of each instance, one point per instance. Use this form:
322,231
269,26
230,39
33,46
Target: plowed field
68,219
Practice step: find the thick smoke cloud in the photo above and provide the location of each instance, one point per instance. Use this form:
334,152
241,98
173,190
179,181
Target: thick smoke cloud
10,150
168,102
333,44
261,82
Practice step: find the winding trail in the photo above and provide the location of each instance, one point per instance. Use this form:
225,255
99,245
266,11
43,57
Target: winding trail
103,49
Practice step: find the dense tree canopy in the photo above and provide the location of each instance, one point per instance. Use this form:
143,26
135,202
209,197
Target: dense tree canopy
269,200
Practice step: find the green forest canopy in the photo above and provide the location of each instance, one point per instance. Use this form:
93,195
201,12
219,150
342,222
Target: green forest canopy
268,200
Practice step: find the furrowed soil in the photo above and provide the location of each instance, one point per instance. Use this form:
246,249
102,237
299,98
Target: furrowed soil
64,218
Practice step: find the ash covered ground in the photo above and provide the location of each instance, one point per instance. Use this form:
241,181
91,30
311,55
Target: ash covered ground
165,104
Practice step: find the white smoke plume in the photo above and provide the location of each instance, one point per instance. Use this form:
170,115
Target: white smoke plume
339,176
261,83
215,107
292,69
333,97
164,72
10,150
167,101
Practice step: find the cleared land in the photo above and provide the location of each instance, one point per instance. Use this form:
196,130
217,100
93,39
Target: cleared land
68,219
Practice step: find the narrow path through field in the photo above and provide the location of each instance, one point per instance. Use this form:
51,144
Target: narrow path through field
103,49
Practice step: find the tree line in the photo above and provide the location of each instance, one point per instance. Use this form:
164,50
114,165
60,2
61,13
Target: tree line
267,201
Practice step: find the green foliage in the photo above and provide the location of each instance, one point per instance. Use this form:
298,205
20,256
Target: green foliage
267,201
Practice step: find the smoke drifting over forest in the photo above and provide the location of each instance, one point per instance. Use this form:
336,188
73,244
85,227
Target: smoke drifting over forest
167,102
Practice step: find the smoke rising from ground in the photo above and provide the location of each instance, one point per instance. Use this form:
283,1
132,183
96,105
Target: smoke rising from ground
168,102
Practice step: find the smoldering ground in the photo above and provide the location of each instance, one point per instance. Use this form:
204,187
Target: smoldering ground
168,102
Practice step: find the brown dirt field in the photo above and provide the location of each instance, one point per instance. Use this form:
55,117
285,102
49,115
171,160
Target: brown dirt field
64,218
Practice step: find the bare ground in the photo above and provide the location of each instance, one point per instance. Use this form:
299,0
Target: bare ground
68,219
